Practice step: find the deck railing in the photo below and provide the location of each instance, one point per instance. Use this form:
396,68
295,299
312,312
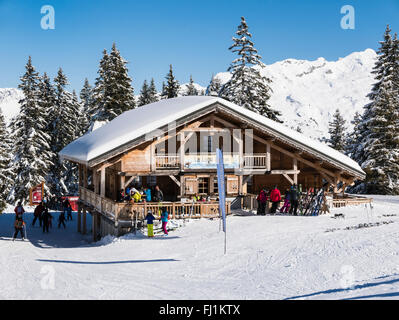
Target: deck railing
255,161
208,161
128,211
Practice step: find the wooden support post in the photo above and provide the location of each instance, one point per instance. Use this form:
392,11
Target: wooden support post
85,177
295,167
173,211
182,150
241,150
94,225
102,182
268,158
84,230
122,182
79,218
95,182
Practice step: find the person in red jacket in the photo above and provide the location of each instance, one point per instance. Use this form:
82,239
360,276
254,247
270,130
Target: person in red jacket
261,202
275,198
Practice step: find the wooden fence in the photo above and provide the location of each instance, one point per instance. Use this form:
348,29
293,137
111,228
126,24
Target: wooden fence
129,211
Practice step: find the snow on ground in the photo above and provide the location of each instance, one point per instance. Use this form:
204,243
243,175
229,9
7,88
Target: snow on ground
268,257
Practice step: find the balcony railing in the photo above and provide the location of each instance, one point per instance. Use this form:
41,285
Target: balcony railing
208,161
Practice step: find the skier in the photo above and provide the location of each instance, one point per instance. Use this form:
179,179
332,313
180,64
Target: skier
46,219
164,219
275,198
150,223
287,201
19,210
261,202
61,220
294,199
19,227
67,208
136,195
38,214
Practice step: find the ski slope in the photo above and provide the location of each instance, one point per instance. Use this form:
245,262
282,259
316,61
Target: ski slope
268,257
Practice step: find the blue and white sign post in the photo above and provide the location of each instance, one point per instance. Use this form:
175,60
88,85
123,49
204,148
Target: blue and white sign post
222,192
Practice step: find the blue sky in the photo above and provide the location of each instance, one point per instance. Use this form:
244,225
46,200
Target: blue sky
194,36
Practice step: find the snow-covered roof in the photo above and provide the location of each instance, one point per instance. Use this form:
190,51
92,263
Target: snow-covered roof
138,122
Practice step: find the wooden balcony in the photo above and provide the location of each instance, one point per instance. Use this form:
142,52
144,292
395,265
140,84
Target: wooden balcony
208,161
128,211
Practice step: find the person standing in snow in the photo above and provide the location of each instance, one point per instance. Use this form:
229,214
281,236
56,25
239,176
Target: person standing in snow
275,198
19,210
287,201
294,199
38,214
150,223
19,228
261,202
164,219
61,220
67,208
46,219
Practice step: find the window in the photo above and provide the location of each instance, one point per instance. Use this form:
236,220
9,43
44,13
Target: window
215,185
203,185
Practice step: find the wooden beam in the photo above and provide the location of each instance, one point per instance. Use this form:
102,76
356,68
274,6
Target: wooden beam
175,180
203,129
288,178
293,155
285,171
129,181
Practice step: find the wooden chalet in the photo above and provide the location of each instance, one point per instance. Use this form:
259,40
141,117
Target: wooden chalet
172,144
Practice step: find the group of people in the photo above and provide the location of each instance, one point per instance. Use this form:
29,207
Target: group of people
291,200
45,218
41,214
137,195
150,221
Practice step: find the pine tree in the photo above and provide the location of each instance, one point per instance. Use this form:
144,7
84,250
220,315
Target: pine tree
164,94
86,96
31,159
64,130
191,90
379,128
153,94
171,89
353,146
337,132
214,87
6,174
113,91
247,87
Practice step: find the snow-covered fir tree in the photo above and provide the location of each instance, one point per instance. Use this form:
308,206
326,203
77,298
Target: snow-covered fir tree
113,91
66,115
153,94
353,146
172,87
148,93
31,159
164,94
247,87
379,128
191,89
337,128
6,174
214,87
86,96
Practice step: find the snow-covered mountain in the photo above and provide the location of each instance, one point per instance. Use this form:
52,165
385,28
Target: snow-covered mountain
9,98
306,92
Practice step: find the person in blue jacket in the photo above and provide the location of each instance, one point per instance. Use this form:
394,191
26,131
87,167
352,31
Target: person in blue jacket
164,219
150,223
147,192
